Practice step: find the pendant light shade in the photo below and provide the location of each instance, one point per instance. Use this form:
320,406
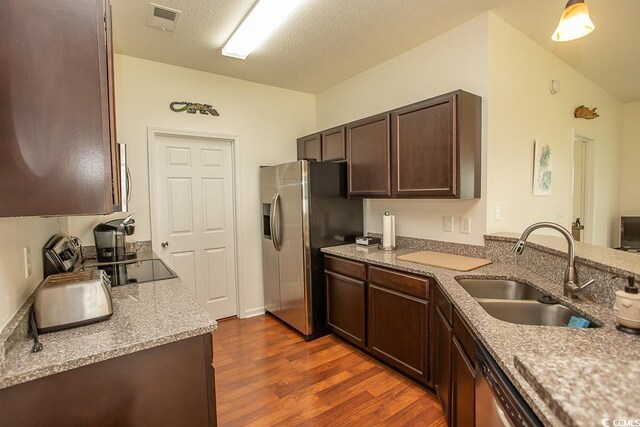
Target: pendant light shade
574,22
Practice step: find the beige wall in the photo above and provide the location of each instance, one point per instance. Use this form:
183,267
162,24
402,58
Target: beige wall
630,168
16,234
266,121
521,109
454,60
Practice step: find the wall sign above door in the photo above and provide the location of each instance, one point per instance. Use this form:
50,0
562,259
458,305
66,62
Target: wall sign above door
192,108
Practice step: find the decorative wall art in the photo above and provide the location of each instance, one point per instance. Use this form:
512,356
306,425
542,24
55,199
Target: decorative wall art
583,112
542,169
192,108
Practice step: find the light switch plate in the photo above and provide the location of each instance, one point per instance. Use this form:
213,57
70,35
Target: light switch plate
465,225
497,213
447,223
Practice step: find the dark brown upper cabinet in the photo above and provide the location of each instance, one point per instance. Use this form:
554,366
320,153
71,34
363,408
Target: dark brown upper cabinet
334,145
310,147
436,147
56,119
369,157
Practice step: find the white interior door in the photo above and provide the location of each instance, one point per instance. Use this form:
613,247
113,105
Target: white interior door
193,216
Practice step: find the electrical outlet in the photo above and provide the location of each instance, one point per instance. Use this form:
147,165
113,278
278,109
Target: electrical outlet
497,213
27,262
465,225
447,223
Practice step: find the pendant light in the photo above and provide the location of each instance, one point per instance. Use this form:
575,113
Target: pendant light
574,22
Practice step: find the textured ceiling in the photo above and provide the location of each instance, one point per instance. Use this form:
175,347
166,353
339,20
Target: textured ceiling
323,43
327,41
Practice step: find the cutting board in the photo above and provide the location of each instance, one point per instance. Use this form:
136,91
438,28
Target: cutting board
450,261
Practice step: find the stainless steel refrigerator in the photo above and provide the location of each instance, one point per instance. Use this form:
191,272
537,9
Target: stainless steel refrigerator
304,208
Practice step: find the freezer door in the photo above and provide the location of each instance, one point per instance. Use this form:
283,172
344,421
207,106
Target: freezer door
289,221
270,267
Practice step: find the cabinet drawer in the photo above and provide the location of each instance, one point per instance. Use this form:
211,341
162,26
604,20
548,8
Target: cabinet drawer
346,307
442,302
345,267
465,337
410,285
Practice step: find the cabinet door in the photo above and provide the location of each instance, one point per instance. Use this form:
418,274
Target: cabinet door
425,151
443,335
398,331
346,307
463,392
369,157
333,145
310,147
54,118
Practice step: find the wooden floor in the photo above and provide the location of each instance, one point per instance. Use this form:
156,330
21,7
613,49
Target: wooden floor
267,375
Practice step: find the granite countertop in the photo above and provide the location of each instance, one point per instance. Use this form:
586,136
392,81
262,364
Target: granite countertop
623,262
567,385
145,315
507,341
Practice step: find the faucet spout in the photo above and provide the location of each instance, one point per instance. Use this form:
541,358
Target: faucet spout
571,286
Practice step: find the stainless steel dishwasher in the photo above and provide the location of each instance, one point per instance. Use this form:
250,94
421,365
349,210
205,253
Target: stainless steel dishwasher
498,403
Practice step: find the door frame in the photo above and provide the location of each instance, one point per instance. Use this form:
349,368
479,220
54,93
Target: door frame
152,133
589,214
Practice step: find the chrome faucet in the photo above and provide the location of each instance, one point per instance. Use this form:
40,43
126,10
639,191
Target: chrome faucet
572,288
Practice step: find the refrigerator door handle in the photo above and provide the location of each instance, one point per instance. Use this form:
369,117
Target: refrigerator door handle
275,222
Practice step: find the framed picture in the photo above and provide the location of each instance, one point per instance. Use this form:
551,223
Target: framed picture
542,169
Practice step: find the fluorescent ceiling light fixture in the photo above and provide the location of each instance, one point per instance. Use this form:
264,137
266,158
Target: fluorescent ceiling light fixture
263,19
574,22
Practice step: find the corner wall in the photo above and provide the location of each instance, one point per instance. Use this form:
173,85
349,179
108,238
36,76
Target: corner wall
265,119
454,60
630,168
522,109
16,234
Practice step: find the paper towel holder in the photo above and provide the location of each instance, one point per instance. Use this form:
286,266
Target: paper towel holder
387,248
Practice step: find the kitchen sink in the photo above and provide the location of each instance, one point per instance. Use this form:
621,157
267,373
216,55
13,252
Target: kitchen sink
530,312
500,289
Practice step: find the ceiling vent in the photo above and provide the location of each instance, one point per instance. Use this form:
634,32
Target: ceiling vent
163,17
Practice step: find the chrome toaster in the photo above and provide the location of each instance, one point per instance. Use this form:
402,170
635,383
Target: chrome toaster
67,300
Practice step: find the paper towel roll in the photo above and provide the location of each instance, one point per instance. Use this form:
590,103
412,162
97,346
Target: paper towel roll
388,231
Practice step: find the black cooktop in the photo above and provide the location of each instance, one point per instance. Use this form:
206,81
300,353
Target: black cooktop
126,273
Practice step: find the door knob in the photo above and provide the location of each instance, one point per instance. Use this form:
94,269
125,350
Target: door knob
164,244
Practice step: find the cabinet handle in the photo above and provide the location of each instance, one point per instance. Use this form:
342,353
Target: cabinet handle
164,244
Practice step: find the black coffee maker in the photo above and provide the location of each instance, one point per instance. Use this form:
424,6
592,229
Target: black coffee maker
110,239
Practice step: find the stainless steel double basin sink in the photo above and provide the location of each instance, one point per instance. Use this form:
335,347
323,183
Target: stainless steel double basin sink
517,302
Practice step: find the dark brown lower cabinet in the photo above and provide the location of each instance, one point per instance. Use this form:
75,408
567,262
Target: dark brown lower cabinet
346,307
169,385
463,390
443,336
398,331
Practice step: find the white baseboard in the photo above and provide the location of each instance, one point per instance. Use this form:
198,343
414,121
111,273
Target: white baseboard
252,312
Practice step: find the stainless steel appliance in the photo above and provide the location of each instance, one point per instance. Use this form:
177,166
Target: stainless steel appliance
304,208
126,273
61,255
498,403
67,300
110,238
